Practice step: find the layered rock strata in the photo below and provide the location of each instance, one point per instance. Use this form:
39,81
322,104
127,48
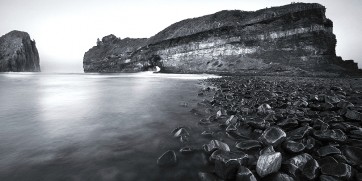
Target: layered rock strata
293,36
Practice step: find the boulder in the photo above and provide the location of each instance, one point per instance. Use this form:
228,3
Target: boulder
268,163
273,136
167,159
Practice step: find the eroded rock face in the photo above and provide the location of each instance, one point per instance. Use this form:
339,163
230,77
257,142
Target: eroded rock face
296,37
112,54
18,53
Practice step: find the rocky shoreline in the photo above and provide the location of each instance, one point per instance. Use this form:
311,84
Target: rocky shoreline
274,128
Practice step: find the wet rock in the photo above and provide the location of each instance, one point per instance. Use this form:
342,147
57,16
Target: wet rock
330,135
207,176
167,159
268,163
264,109
273,136
227,163
212,118
248,145
214,145
258,123
309,143
293,146
354,115
339,170
244,174
207,133
322,106
353,154
311,169
329,178
231,127
341,158
358,177
288,123
184,139
327,160
236,135
204,122
332,99
195,112
296,164
232,120
269,149
221,113
279,177
320,125
357,134
178,132
344,105
186,150
328,150
299,133
301,103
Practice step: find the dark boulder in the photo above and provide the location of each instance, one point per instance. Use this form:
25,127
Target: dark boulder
268,163
273,136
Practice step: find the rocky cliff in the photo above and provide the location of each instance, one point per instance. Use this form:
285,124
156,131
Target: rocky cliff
292,37
18,53
111,54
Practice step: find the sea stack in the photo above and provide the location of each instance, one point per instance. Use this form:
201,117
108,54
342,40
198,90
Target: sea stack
18,53
296,37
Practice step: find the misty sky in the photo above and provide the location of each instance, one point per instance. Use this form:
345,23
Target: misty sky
65,29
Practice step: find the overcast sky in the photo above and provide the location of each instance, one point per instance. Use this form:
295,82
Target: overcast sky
65,29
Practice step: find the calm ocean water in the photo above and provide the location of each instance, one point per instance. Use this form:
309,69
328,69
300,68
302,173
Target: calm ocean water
92,126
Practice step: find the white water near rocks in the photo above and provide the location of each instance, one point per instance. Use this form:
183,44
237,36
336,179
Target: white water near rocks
92,126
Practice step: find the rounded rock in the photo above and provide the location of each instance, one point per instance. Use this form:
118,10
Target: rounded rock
273,136
268,163
167,159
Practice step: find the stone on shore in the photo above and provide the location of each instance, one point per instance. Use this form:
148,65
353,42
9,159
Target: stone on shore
273,136
248,145
214,145
244,174
339,170
167,159
268,163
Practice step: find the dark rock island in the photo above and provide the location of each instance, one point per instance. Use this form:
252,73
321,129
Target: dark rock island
18,53
291,38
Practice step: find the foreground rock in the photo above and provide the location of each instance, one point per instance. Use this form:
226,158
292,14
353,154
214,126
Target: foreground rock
18,53
167,159
268,163
269,128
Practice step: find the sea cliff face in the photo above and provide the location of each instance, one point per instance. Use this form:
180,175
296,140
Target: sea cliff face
111,54
292,37
18,53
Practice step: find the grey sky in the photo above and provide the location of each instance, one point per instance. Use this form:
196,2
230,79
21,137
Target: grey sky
65,29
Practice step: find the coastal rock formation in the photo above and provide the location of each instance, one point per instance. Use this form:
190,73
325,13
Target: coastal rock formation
292,37
18,53
111,54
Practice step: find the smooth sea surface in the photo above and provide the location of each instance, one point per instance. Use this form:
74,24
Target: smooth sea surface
93,126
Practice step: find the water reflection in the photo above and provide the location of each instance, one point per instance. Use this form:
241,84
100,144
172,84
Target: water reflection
91,127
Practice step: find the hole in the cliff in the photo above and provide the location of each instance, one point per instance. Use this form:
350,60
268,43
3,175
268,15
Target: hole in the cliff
158,69
208,63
